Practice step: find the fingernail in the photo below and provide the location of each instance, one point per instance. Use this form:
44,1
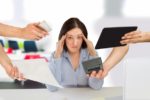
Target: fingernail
121,42
123,37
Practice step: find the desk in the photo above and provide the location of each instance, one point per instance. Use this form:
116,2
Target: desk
106,93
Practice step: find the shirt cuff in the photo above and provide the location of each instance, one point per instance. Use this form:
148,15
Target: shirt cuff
96,83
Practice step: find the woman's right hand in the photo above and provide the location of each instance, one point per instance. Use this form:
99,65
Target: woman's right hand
60,47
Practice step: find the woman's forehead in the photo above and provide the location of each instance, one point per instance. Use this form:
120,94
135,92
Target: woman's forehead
75,31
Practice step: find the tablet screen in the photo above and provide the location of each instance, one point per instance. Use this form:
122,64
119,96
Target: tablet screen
111,36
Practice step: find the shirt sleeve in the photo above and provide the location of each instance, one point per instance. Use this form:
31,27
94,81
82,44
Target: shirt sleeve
54,66
95,83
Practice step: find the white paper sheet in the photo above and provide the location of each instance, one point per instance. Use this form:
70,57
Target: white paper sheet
36,70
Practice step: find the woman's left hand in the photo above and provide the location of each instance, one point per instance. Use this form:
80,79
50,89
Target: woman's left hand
90,46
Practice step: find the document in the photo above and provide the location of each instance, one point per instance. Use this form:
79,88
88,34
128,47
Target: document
36,70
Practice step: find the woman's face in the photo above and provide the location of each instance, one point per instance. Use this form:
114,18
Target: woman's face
74,40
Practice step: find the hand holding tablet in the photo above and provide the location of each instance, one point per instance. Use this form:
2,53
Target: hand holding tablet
111,36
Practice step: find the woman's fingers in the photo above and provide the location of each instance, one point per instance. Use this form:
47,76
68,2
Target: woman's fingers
84,38
129,35
99,74
62,40
131,39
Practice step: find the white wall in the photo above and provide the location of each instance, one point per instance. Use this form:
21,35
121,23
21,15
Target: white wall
137,78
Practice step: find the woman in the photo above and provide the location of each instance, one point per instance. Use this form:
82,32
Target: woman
72,49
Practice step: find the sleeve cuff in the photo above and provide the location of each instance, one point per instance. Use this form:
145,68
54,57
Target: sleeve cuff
96,83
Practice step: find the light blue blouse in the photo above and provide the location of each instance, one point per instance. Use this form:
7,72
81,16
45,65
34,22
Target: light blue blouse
68,77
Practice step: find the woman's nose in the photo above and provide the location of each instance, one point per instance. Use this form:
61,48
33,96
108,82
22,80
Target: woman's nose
75,42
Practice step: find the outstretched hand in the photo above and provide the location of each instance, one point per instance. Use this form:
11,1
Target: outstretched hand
33,32
14,73
135,37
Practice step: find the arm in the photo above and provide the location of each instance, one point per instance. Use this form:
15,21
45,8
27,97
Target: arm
7,65
114,58
31,31
90,47
55,63
4,60
93,81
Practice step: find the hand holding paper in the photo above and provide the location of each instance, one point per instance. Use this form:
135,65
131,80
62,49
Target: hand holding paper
37,70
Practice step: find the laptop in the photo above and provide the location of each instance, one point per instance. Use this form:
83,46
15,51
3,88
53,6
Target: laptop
137,79
111,36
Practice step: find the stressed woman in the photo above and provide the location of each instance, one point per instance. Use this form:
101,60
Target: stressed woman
72,49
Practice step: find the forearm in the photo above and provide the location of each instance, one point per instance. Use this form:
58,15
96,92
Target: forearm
146,37
4,60
10,31
92,52
115,57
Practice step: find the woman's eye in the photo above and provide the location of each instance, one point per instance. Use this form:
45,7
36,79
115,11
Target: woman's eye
79,37
69,37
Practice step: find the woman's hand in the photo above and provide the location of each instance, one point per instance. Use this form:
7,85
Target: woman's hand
60,47
90,46
101,74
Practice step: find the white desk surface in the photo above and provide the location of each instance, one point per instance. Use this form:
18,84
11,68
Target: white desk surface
106,93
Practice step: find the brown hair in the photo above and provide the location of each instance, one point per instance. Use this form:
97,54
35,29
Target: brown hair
70,24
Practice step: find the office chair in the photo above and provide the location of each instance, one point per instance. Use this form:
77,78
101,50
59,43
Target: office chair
1,41
13,44
30,46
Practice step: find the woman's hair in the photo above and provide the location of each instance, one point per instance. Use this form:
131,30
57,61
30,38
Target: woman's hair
70,24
